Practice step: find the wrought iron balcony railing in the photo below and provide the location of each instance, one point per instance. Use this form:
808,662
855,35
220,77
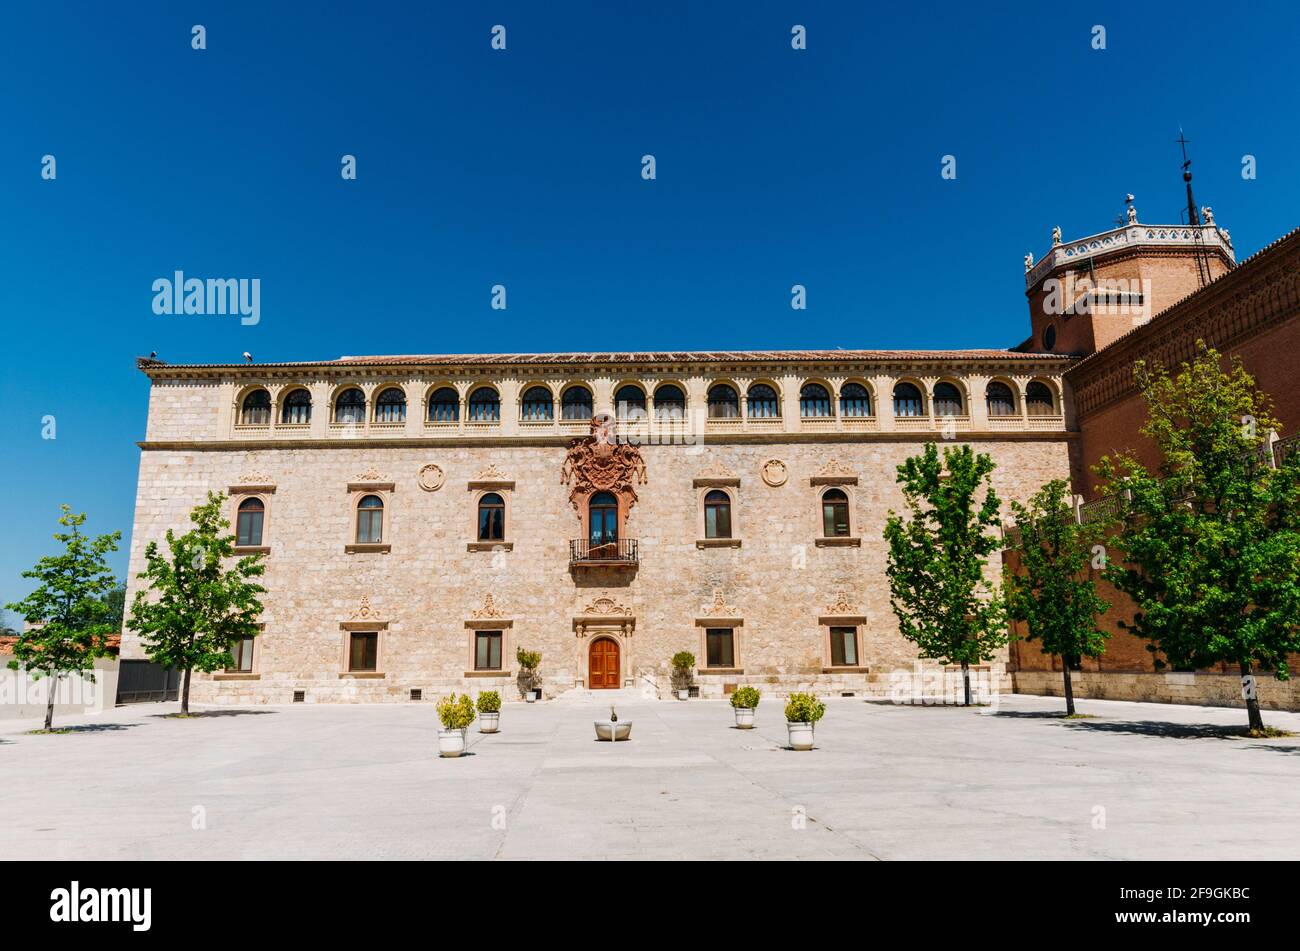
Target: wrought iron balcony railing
585,552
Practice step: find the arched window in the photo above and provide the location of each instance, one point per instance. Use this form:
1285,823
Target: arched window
491,518
670,402
537,406
370,520
947,400
296,408
391,406
761,402
576,403
855,400
444,405
629,402
717,514
723,402
248,523
256,409
350,407
602,518
814,401
1039,400
908,400
835,513
999,399
484,405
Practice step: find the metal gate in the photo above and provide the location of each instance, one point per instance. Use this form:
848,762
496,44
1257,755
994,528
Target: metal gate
141,681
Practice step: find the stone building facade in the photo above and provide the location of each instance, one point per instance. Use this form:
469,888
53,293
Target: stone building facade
422,517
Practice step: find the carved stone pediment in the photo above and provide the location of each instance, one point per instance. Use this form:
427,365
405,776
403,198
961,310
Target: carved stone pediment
834,473
364,612
606,606
716,474
598,462
489,609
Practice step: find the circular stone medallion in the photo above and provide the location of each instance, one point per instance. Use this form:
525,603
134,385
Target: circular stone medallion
775,472
431,477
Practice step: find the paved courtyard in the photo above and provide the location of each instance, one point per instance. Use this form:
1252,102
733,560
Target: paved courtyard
886,782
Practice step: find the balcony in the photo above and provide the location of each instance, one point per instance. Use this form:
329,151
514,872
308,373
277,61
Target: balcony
620,553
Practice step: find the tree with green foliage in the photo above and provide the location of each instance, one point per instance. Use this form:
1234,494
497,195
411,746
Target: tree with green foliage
197,606
68,620
1208,546
938,555
1053,592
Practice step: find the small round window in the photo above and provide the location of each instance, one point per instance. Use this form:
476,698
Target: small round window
1049,337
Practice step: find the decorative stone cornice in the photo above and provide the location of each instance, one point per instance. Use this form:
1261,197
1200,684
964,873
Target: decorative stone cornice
1131,235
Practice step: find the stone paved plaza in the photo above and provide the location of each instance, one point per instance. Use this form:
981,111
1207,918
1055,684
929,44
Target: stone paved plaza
886,782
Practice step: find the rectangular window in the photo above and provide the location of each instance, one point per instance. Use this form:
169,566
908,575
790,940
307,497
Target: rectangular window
241,651
719,643
844,647
364,652
249,529
717,520
487,650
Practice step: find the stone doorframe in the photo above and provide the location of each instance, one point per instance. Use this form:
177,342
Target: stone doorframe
604,617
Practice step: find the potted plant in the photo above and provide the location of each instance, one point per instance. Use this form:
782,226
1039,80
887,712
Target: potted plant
456,714
489,711
802,711
530,684
744,700
683,667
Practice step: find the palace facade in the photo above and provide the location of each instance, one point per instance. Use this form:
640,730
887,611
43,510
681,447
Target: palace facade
422,517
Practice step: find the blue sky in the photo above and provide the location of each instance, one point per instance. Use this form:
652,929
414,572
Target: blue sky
522,167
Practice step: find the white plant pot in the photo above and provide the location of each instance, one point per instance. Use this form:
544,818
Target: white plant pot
530,696
744,718
489,722
683,695
621,730
451,743
801,735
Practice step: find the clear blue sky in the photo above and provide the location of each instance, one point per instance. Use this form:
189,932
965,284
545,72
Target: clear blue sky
522,167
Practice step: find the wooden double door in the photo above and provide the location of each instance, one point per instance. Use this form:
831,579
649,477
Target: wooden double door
603,670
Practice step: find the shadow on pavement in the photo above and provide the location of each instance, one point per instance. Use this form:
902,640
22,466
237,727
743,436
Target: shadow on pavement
209,714
1175,731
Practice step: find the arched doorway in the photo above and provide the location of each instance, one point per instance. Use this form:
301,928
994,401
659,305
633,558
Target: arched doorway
603,664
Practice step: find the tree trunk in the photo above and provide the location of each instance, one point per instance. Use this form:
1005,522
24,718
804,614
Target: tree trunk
965,680
1069,688
185,694
1252,703
49,702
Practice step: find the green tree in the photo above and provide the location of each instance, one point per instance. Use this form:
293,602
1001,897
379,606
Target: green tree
938,556
1053,592
116,601
69,623
1210,542
196,607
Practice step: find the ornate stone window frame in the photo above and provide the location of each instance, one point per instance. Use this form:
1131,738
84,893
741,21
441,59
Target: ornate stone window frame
358,491
365,620
703,486
720,615
490,618
847,485
491,482
842,614
239,493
